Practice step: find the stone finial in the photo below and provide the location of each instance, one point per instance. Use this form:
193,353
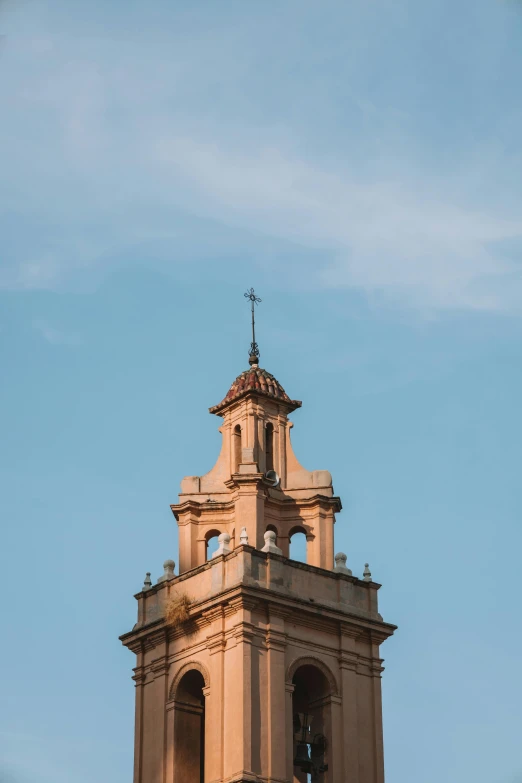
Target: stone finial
340,564
168,568
147,582
224,545
243,538
270,543
367,575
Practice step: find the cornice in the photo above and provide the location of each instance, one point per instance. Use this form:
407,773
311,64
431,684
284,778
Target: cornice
257,396
243,602
214,613
322,617
314,500
282,500
201,507
242,479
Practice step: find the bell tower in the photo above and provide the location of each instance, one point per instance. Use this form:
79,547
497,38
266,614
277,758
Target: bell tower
252,666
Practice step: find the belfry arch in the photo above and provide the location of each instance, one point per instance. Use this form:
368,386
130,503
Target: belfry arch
188,740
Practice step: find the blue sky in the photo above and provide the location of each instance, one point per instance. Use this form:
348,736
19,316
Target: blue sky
359,164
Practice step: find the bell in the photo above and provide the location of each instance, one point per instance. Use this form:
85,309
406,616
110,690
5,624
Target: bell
302,758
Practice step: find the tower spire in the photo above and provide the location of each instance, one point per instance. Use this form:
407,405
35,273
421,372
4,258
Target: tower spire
254,348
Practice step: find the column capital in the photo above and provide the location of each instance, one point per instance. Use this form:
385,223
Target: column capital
244,632
348,660
216,642
275,640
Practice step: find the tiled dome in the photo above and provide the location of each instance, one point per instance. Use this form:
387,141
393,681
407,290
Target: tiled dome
260,382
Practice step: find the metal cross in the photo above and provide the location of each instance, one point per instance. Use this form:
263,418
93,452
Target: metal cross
254,348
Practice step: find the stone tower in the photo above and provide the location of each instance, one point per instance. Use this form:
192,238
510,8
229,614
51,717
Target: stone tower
252,666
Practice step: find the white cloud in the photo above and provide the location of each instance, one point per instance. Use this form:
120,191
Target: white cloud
112,144
383,236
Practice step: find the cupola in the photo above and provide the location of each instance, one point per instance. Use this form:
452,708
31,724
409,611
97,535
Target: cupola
257,481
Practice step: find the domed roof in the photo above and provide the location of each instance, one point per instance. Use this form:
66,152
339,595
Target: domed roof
257,381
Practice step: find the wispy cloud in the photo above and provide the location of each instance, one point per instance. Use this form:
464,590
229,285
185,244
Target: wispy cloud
377,236
55,336
127,142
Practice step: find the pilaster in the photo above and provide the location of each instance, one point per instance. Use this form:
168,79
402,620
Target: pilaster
214,740
276,648
348,659
237,746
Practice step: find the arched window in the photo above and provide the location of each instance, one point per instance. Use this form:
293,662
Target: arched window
312,724
236,439
298,544
189,729
269,446
212,542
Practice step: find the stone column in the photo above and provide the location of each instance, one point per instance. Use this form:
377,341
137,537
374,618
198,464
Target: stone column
169,760
138,714
348,666
259,451
208,746
154,716
201,548
185,544
250,441
237,706
312,553
377,669
214,698
337,746
283,542
276,645
328,525
281,450
249,509
289,718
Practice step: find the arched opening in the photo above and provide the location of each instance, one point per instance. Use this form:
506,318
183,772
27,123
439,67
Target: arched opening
269,446
212,543
298,544
312,725
236,450
189,729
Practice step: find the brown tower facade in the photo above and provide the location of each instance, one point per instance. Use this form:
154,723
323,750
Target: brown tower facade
252,666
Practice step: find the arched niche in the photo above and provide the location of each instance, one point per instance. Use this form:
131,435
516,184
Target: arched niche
188,700
313,688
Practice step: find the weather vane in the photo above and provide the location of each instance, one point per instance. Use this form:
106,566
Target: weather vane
254,348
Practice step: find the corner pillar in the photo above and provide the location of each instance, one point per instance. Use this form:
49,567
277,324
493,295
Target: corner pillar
289,714
277,706
237,707
348,666
214,697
